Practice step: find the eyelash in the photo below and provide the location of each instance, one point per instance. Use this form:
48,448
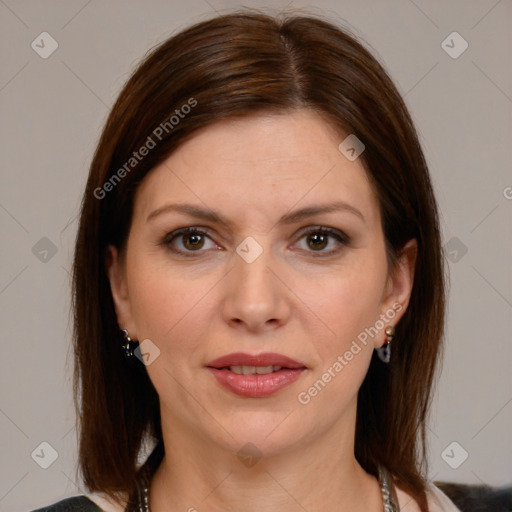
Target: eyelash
322,230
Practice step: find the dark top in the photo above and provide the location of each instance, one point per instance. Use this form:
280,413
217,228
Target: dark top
468,498
74,504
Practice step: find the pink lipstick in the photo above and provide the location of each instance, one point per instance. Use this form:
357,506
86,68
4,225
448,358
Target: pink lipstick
255,376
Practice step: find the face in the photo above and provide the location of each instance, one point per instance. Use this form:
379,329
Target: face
258,277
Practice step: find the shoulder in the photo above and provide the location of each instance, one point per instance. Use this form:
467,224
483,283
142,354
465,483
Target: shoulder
437,501
106,504
73,504
84,503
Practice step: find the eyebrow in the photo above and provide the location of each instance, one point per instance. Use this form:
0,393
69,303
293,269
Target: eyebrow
288,218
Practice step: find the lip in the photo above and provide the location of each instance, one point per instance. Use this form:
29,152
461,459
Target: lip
258,385
265,359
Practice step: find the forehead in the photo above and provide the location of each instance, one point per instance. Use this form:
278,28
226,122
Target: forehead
260,164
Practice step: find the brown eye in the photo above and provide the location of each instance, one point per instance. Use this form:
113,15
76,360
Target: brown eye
187,240
193,240
318,239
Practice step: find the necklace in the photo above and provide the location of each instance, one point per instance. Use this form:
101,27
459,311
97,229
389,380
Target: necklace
390,504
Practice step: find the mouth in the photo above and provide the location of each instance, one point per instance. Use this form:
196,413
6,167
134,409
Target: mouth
252,370
264,362
255,376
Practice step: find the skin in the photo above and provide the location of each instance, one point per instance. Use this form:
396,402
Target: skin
290,300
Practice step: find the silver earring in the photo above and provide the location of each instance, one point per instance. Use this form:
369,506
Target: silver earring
128,345
384,352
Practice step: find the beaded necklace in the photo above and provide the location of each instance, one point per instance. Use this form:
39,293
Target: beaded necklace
390,504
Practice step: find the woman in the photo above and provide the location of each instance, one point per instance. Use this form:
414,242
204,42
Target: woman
258,281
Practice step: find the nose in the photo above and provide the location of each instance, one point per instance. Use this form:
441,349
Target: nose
256,298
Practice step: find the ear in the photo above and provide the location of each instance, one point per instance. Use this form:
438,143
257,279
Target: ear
115,268
399,285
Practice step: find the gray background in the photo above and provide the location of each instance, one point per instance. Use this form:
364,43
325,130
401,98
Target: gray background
52,111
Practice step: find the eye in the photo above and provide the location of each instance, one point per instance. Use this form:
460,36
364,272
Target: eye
191,239
317,239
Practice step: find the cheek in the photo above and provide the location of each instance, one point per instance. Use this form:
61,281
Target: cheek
347,303
169,306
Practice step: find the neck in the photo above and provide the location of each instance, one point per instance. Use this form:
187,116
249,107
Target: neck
196,474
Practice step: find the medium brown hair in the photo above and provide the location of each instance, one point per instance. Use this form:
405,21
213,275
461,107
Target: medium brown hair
236,65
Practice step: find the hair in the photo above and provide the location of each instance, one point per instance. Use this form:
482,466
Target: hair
235,65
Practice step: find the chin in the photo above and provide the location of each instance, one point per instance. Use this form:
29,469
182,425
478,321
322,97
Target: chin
252,435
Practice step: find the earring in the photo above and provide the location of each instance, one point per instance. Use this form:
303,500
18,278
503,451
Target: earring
128,345
384,352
